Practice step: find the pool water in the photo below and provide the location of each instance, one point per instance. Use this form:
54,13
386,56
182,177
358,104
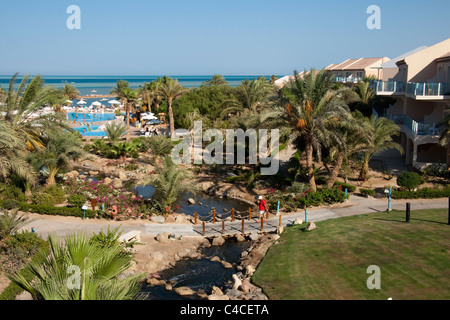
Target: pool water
90,117
89,131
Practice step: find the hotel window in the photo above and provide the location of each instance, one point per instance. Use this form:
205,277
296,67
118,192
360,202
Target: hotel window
359,74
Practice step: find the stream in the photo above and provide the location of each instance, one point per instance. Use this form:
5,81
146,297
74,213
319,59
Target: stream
199,274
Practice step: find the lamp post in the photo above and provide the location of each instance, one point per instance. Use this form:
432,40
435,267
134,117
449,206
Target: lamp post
389,195
84,207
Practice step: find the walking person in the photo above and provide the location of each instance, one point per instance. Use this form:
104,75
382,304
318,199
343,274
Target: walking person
262,208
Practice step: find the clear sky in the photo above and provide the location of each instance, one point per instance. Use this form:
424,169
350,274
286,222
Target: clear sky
205,37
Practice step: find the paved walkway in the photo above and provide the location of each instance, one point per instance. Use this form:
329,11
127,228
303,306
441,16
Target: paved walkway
62,226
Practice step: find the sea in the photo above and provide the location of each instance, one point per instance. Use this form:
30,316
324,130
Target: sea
102,85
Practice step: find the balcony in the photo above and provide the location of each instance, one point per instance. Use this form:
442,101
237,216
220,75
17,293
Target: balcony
347,79
389,87
418,128
415,90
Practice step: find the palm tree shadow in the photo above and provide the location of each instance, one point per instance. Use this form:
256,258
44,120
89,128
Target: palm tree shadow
424,220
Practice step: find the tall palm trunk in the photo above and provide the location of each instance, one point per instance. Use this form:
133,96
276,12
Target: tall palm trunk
52,171
335,172
149,102
171,121
309,165
127,110
365,168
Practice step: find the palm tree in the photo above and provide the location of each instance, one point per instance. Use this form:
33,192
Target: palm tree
308,109
216,80
146,93
12,222
364,91
79,269
12,155
129,98
171,90
21,106
383,132
356,136
159,146
114,132
249,96
70,92
169,182
60,150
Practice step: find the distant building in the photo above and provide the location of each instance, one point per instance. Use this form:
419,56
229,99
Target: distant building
280,83
421,89
354,70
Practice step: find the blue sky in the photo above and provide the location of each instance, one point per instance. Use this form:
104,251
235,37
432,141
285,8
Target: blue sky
204,37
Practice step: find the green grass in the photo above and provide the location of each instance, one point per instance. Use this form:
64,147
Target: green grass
331,261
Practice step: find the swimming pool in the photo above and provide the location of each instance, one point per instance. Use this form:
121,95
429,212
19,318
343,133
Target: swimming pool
88,131
90,117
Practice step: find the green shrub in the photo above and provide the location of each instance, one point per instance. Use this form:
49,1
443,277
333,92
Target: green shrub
409,180
11,192
56,211
9,204
76,200
57,193
298,187
424,193
42,199
367,192
347,186
234,179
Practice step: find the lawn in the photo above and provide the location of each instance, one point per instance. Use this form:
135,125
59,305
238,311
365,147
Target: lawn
331,262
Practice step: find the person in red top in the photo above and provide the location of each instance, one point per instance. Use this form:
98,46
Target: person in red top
262,208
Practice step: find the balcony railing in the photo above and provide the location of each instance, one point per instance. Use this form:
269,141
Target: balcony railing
347,79
419,128
390,87
417,89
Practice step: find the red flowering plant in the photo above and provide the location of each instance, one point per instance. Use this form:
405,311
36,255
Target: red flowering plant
129,206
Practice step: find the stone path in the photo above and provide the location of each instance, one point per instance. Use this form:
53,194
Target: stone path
62,226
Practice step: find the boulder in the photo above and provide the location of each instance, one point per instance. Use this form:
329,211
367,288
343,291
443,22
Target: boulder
157,256
155,282
168,287
180,219
215,258
191,201
107,181
227,265
237,282
233,293
216,290
218,241
162,238
254,236
74,173
249,270
312,226
157,219
275,237
239,237
218,297
297,221
184,291
117,183
122,175
170,219
280,230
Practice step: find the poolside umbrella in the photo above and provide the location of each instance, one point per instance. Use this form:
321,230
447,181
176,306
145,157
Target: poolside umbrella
69,101
96,103
81,102
113,102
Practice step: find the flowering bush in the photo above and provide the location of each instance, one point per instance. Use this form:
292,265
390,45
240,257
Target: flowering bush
129,206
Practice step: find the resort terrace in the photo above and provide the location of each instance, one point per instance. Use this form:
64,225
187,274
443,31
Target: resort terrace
414,90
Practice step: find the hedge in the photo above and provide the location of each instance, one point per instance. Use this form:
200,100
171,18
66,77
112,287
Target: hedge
424,193
368,192
56,211
347,186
